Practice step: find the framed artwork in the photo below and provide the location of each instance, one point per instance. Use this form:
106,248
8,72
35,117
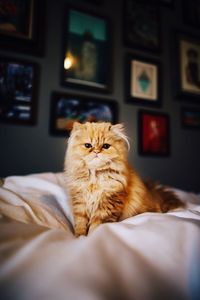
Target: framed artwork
142,26
18,91
191,13
21,25
190,118
86,56
142,81
187,72
153,133
68,108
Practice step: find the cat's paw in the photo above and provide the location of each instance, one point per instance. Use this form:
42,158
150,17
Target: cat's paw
80,231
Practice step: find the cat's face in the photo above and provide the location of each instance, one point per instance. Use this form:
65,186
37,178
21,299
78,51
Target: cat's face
97,144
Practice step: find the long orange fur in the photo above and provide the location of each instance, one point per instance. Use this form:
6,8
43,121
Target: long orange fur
102,185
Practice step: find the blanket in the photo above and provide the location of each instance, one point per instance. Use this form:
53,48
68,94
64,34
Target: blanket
149,256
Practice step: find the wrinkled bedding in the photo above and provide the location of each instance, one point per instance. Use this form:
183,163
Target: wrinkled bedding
149,256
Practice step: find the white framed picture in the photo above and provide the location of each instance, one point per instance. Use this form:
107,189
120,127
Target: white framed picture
142,81
190,66
186,67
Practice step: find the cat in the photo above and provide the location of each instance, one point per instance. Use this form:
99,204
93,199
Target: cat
101,184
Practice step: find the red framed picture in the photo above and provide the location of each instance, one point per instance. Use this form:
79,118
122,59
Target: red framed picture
153,133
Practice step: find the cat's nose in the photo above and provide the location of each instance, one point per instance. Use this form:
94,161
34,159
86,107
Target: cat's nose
96,151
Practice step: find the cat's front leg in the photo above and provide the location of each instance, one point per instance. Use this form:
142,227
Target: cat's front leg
80,224
80,219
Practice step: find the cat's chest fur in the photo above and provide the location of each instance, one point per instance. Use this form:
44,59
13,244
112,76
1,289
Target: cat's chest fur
97,188
100,182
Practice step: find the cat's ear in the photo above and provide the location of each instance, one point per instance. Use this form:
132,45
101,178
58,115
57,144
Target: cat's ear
76,126
119,130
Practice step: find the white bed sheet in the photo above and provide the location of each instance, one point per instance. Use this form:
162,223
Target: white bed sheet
150,256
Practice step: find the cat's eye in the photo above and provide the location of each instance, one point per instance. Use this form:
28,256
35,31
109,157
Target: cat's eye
88,145
106,146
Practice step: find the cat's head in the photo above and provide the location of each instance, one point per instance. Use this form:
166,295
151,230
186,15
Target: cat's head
99,145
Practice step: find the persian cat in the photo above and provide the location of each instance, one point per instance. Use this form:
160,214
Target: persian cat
101,184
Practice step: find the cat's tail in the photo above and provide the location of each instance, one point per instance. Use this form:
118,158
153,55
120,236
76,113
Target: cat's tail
167,199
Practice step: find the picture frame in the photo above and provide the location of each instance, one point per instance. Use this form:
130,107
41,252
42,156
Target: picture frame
18,91
186,67
191,13
142,81
154,134
86,51
22,26
190,118
142,26
66,108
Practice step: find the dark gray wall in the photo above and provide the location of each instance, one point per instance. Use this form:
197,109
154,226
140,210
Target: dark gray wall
26,149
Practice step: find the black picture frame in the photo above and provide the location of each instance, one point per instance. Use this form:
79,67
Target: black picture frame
143,81
86,59
191,13
153,133
142,25
185,68
22,26
66,108
18,91
190,118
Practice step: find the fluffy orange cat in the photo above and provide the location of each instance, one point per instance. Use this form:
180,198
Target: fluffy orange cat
102,185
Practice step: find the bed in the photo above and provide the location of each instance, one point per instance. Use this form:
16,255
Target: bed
149,256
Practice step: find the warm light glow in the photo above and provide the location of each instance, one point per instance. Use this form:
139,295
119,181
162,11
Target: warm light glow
69,61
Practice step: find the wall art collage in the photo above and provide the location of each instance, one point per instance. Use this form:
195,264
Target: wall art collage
87,51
